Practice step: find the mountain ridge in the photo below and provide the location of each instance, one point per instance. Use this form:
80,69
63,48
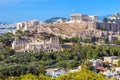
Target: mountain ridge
54,19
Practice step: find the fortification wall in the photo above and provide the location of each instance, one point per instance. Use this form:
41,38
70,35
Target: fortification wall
108,26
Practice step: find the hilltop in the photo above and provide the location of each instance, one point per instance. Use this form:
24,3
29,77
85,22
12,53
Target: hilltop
54,19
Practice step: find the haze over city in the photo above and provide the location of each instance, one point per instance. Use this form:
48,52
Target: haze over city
22,10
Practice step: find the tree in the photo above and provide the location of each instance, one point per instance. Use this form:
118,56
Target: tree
43,77
19,32
105,20
82,75
119,63
27,32
7,39
13,78
29,77
41,69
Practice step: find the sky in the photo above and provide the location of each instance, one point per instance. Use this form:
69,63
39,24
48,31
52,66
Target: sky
22,10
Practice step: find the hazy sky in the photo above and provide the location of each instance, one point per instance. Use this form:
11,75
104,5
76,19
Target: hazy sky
21,10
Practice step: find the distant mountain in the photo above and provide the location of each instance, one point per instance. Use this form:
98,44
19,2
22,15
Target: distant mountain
104,16
5,23
54,19
115,18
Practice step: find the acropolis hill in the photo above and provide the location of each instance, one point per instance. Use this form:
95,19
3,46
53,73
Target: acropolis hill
81,26
77,23
70,30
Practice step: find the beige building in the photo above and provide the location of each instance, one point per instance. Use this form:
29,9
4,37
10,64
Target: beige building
112,37
30,25
19,45
111,59
54,40
36,45
44,45
83,18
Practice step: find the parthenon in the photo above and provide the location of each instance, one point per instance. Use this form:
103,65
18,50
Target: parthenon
83,18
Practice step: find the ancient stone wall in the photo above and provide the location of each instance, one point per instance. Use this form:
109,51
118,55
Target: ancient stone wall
108,26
